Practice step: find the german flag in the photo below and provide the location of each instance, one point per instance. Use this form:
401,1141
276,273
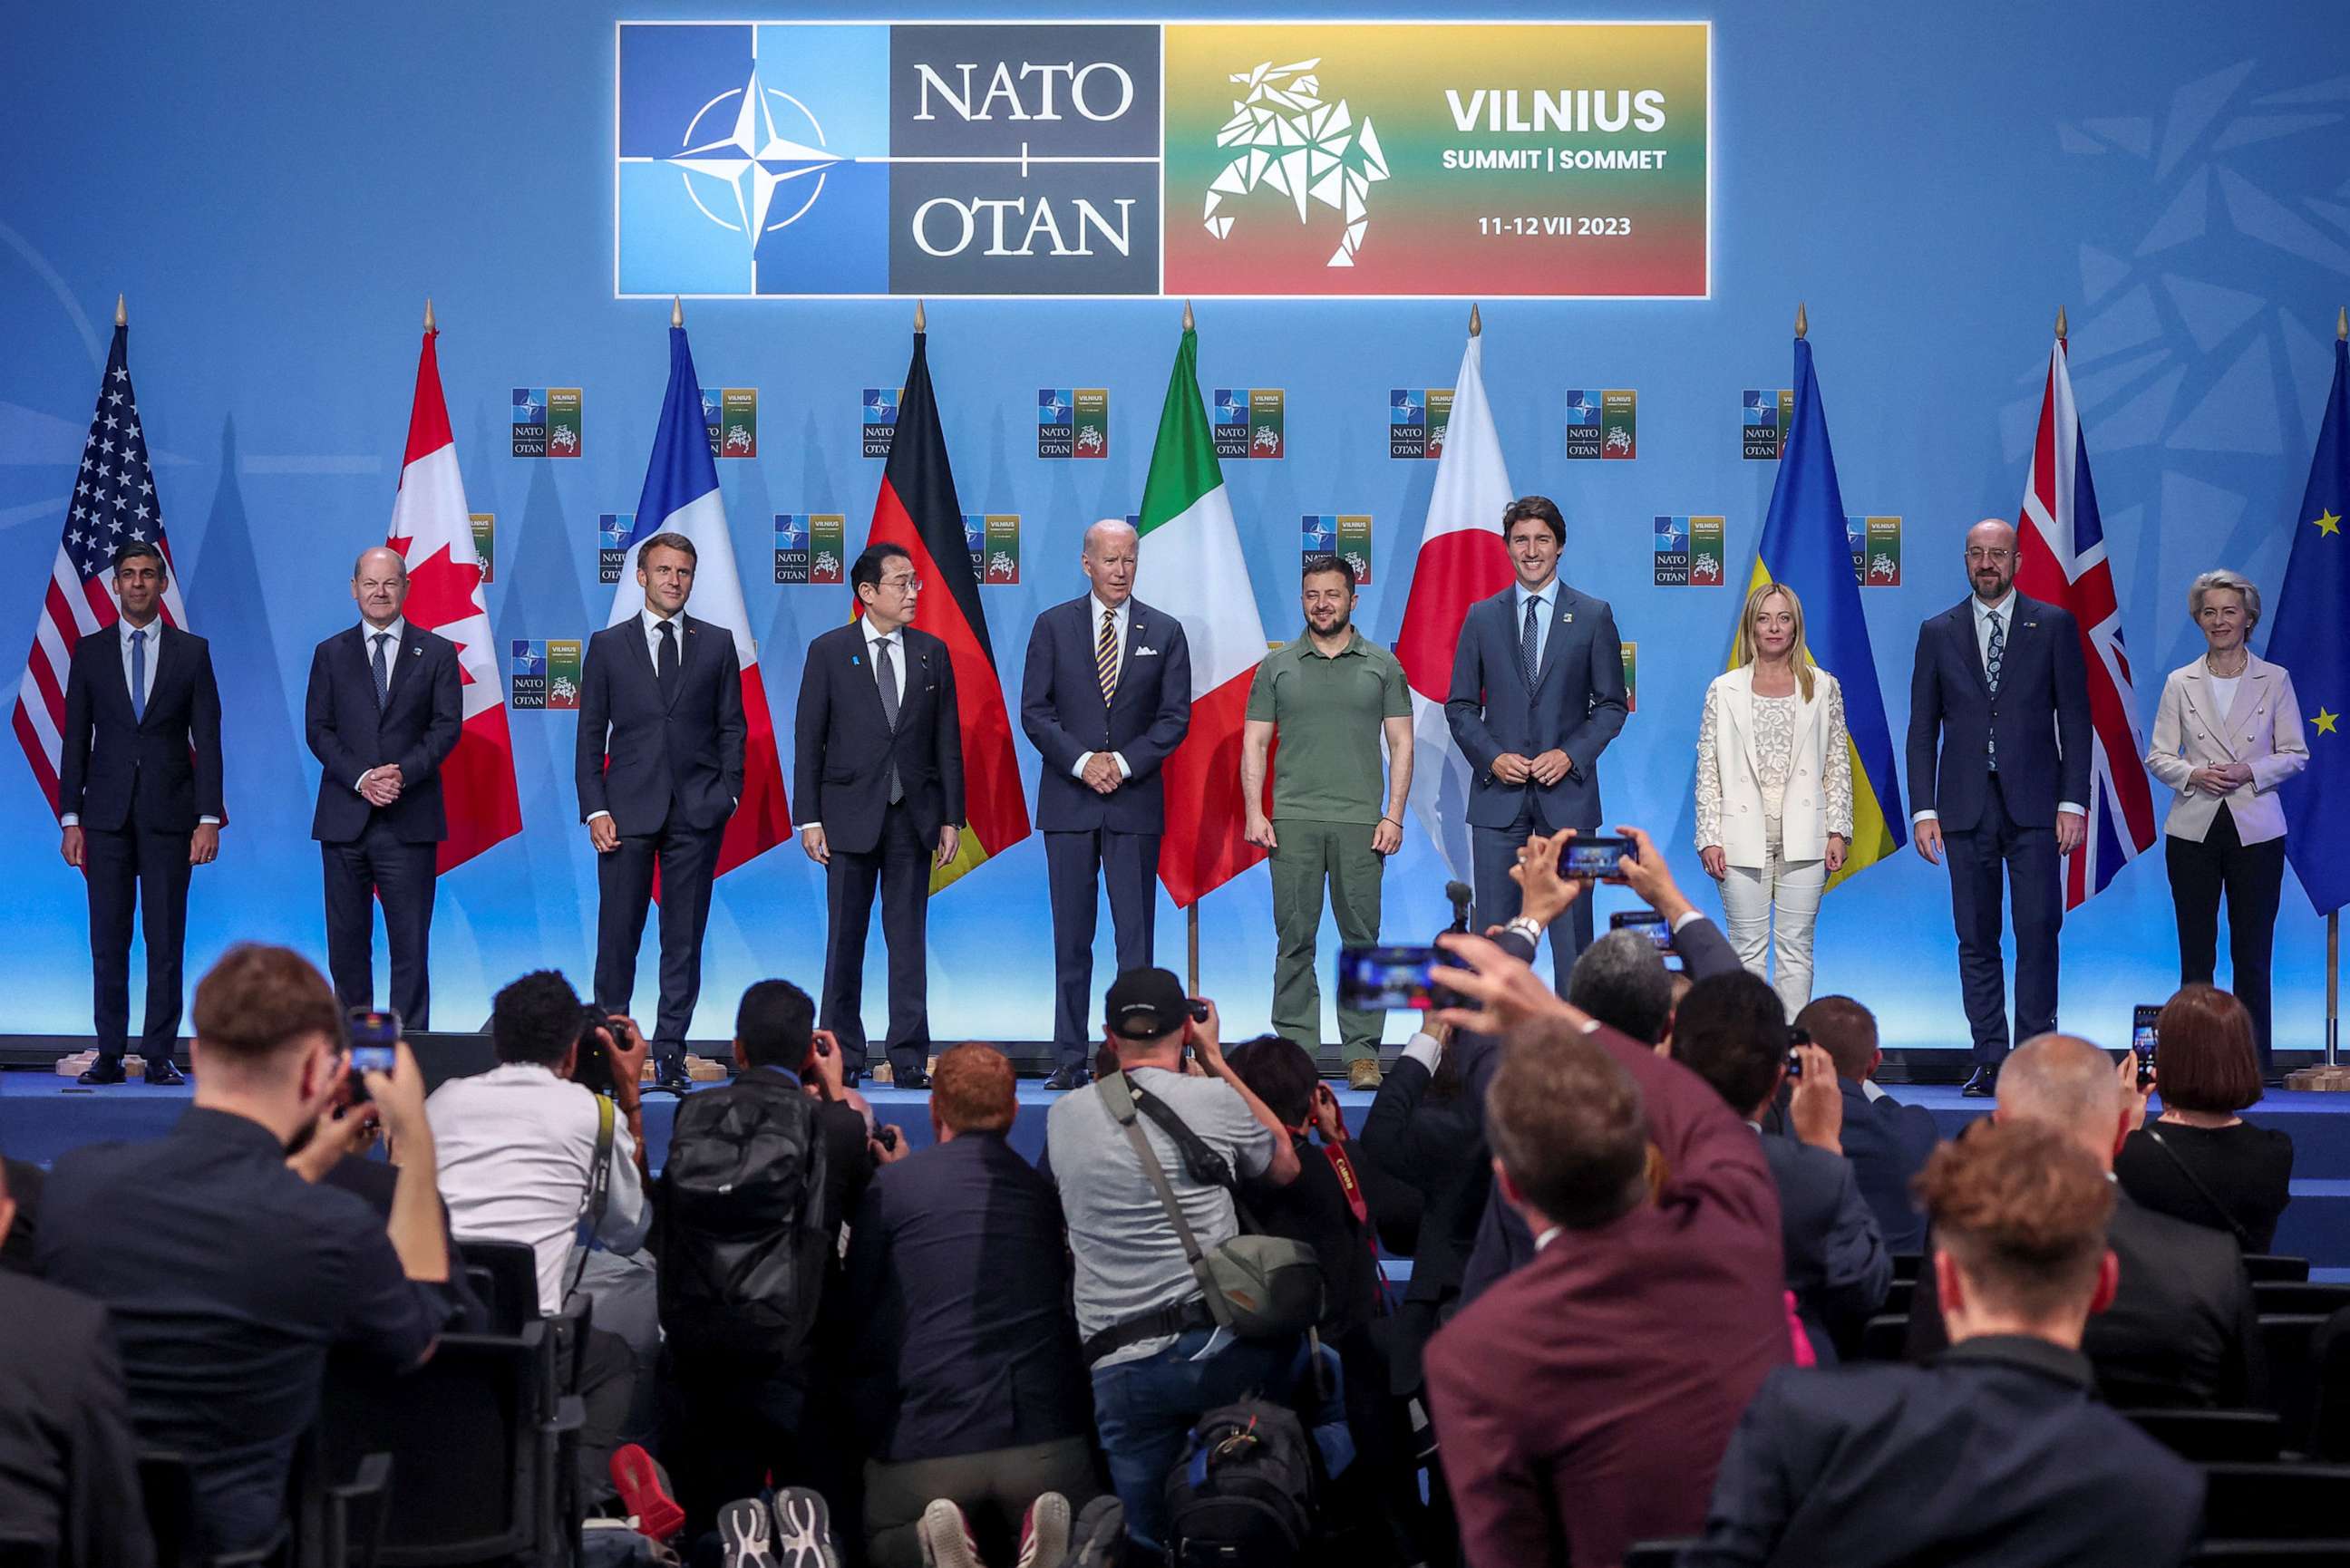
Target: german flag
917,508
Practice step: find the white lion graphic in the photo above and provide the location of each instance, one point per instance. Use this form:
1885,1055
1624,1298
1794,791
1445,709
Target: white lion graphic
1266,439
565,439
1090,439
738,438
1300,145
1619,439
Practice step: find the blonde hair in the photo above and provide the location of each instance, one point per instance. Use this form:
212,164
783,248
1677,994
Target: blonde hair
1799,653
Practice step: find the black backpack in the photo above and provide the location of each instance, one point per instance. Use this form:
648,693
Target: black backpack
744,1251
1243,1495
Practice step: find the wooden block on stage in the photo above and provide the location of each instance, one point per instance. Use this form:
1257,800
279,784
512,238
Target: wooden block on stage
74,1065
2322,1080
702,1069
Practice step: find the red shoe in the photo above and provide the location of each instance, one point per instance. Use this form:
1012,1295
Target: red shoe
644,1492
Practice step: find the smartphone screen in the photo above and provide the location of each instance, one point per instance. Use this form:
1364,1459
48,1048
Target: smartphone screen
1595,858
1384,979
1648,923
374,1036
2144,1017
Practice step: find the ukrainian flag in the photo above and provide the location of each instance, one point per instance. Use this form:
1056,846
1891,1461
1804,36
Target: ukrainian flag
1805,546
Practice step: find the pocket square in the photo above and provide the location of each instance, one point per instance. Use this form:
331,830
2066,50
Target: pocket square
1146,653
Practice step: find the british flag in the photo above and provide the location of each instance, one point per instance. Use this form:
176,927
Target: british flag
2063,563
114,504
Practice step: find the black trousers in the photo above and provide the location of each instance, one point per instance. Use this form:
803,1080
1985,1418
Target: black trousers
2028,856
378,864
899,866
1127,865
125,870
686,857
606,1387
1494,851
2251,877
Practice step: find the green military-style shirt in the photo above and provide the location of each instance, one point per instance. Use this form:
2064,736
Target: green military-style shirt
1327,713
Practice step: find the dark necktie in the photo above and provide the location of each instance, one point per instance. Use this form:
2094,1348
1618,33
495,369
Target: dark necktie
139,672
1106,656
1994,657
665,667
885,674
1530,642
383,671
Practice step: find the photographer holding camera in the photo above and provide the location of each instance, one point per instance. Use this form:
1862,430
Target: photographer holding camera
528,1151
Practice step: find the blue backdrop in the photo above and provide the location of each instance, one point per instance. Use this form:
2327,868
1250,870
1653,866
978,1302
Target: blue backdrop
277,189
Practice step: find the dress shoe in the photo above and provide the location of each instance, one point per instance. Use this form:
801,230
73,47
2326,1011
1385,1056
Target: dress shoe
909,1078
1362,1074
671,1076
164,1072
102,1071
1983,1085
1067,1078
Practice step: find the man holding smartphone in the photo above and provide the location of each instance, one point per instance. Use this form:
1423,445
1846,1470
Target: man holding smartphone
1331,697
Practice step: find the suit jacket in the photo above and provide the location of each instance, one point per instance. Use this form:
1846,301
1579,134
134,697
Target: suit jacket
1837,1262
68,1463
643,759
1729,771
1577,705
1064,716
846,748
168,762
2040,718
1568,1447
1996,1456
2263,730
1887,1144
2182,1330
417,730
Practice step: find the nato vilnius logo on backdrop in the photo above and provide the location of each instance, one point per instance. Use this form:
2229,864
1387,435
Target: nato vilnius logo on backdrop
811,547
1416,418
1072,421
877,419
1347,535
545,673
1249,421
547,421
732,416
1689,552
1603,424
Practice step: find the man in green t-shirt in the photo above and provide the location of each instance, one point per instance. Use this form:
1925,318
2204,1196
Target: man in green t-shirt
1331,695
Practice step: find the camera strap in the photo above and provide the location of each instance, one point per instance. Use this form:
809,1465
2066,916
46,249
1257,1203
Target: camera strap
2243,1237
600,1188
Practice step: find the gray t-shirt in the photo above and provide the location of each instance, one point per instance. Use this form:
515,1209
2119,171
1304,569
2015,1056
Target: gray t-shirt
1129,1258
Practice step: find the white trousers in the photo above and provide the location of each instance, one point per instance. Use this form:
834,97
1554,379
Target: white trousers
1749,896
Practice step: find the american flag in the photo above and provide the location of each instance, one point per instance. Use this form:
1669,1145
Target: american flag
114,505
2063,563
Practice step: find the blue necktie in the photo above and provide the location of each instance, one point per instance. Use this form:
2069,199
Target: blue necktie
382,674
1530,642
139,673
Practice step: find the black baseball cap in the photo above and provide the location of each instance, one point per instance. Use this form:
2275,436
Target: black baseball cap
1145,1003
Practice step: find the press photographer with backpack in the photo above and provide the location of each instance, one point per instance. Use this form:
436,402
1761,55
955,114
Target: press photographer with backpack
1153,1229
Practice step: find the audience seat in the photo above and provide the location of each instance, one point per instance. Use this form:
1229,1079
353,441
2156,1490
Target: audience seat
2215,1437
2275,1266
1906,1265
1885,1337
505,1275
2299,1296
2329,1419
2286,1338
1899,1295
1656,1554
2299,1502
338,1526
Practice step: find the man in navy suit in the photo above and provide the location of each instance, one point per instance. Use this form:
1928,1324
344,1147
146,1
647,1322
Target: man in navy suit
1885,1142
1106,697
382,714
878,755
1999,765
660,771
139,796
1537,694
2028,1469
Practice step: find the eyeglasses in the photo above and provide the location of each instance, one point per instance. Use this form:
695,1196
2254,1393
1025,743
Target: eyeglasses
903,584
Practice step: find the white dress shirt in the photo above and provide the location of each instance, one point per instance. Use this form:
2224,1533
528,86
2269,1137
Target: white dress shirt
154,652
653,623
873,641
1118,620
2005,610
397,630
1548,595
516,1147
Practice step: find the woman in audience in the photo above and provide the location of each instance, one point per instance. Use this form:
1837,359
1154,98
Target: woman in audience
2200,1160
1421,1138
1773,791
2228,732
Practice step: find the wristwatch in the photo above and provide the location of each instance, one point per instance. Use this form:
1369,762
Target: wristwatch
1525,926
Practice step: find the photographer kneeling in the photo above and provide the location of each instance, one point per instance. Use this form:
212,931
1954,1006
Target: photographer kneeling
1159,1358
527,1151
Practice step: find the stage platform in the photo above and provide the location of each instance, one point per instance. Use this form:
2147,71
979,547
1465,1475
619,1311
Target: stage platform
42,1115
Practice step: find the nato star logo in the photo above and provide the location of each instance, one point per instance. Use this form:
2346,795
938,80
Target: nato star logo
1406,407
1232,407
880,405
763,170
1579,410
1054,408
529,657
791,532
529,406
1759,408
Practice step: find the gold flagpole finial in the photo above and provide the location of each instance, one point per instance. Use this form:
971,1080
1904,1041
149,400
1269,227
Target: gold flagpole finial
122,315
676,310
2341,322
1476,322
1803,320
1189,324
2060,334
428,315
921,317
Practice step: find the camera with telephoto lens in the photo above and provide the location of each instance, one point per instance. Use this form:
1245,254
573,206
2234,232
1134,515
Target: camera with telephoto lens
593,1067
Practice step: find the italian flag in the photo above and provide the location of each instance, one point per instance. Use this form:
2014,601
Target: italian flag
1192,558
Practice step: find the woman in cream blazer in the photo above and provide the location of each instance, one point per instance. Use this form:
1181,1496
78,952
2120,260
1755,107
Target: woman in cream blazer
2227,734
1773,791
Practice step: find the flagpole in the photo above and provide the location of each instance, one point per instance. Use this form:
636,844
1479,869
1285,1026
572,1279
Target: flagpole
1191,915
2332,982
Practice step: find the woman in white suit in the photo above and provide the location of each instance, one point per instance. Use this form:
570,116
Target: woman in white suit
1773,790
2227,734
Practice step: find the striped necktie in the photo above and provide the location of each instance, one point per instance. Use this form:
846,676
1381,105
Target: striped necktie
1106,656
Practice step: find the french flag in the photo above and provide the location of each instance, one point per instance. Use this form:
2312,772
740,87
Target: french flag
681,496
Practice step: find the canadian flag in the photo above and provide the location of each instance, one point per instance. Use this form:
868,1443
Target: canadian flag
434,534
1461,560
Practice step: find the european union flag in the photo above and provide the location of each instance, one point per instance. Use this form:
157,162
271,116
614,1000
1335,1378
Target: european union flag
2310,635
1806,546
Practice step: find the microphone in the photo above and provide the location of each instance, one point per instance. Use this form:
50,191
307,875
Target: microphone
1460,893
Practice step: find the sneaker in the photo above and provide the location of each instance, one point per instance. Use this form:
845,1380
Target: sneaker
946,1538
742,1530
1362,1074
1098,1538
804,1537
1044,1532
644,1492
